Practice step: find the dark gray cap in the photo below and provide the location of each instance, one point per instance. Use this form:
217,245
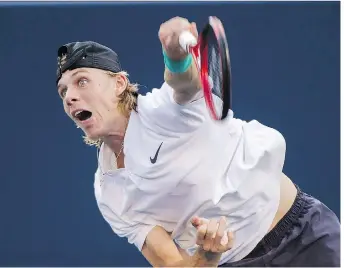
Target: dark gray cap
86,54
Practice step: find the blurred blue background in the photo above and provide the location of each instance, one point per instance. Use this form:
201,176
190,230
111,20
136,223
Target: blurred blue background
286,63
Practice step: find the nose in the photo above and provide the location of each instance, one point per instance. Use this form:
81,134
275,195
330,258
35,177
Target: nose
72,96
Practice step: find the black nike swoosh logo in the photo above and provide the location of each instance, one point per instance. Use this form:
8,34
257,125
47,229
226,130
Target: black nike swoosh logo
153,160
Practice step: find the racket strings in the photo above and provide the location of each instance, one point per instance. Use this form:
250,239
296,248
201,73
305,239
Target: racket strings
215,69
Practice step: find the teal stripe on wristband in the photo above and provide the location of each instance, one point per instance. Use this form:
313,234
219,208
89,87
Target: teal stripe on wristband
177,66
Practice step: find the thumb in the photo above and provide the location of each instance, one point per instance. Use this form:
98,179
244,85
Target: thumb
193,29
197,221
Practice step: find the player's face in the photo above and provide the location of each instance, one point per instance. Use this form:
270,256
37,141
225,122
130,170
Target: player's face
90,98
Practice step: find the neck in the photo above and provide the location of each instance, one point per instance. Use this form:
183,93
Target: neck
114,139
114,142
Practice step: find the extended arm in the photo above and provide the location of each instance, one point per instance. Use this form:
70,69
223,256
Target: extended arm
186,85
180,68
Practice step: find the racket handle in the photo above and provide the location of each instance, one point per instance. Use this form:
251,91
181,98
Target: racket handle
187,41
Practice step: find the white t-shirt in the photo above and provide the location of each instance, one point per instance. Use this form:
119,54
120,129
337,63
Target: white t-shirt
180,163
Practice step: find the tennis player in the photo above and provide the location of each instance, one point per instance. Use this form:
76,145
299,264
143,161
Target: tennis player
167,173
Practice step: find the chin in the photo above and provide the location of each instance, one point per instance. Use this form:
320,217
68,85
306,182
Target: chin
91,134
92,137
94,134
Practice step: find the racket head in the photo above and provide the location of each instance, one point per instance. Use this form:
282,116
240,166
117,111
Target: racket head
212,54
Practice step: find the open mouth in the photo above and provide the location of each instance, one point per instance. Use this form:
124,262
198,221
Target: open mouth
83,115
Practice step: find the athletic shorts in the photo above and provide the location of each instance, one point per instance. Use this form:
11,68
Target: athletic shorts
308,235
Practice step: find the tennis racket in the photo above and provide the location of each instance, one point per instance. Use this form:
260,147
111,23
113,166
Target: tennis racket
211,54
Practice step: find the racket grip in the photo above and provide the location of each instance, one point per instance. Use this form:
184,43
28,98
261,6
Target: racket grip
187,41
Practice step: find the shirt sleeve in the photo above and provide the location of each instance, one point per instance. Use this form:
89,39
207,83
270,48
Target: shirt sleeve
264,147
258,160
159,109
136,233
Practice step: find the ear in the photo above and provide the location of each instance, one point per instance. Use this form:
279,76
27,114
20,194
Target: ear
121,82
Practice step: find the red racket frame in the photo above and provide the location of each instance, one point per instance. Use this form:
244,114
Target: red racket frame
200,52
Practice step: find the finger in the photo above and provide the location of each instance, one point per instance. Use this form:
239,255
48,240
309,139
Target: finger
220,232
226,242
201,231
211,230
162,31
230,242
167,40
183,23
194,29
209,236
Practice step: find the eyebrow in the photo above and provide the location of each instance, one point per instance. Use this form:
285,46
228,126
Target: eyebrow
74,74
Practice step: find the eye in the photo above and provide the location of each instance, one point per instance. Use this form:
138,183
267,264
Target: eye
63,92
82,82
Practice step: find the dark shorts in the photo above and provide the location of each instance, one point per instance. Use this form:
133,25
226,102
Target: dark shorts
308,235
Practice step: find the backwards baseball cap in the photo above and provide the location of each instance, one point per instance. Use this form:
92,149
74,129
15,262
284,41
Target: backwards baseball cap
86,54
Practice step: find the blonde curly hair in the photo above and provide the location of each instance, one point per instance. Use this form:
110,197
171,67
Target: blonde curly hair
127,103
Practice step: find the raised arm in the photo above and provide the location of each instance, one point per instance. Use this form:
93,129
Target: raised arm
160,250
180,69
